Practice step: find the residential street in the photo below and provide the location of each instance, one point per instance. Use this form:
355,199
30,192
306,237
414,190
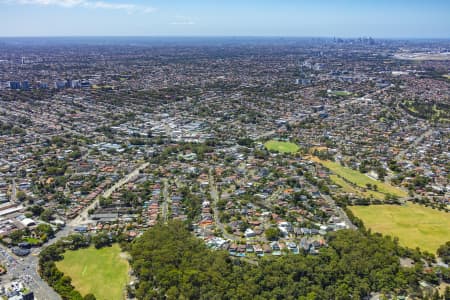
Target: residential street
215,196
82,218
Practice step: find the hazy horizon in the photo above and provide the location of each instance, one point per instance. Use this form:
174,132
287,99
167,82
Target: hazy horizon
324,37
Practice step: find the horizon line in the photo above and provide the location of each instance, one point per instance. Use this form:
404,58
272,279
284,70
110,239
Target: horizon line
228,36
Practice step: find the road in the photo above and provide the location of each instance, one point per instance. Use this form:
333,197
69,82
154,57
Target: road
82,218
416,142
25,269
340,212
14,191
165,205
265,134
215,197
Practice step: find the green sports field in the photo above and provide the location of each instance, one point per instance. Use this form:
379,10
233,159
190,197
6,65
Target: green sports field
348,188
341,93
102,272
283,147
360,179
413,224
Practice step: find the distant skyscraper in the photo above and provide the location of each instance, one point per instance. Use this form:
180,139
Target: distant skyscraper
14,85
60,84
75,84
25,85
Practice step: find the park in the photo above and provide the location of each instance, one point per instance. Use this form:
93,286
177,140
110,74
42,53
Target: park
413,224
349,188
360,180
101,272
280,146
341,93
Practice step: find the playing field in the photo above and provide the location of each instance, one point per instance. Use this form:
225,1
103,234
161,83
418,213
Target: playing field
102,272
360,179
348,188
413,224
341,93
284,147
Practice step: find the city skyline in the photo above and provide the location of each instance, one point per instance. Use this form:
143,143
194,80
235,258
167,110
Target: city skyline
343,18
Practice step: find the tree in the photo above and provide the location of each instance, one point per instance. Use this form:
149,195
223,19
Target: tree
76,154
101,240
381,173
247,142
89,297
272,233
36,210
21,196
104,202
16,236
444,252
394,166
44,231
47,215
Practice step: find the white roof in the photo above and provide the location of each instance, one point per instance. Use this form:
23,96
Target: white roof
28,222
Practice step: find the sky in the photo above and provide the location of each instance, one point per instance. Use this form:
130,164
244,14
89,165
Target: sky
302,18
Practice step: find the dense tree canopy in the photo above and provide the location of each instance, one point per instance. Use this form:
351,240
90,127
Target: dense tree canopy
170,262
